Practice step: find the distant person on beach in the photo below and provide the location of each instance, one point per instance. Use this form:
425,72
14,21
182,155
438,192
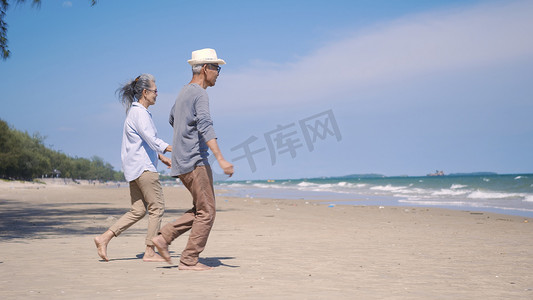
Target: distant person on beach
193,135
140,150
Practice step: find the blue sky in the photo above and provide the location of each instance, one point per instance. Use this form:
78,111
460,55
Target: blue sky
412,86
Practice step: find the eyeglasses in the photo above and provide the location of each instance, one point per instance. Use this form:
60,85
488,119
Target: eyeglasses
214,67
153,91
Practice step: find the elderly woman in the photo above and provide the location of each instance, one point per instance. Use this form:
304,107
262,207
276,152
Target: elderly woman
141,149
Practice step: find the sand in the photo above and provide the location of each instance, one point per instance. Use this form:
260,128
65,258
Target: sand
260,249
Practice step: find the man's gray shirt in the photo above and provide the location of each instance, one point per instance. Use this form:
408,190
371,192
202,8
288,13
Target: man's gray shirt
193,127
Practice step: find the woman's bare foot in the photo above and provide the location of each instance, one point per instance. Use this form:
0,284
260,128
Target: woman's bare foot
197,267
151,256
101,243
101,247
162,247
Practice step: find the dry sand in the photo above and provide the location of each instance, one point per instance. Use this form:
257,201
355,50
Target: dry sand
261,249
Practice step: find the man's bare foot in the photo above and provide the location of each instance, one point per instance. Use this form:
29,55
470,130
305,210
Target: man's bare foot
197,267
102,248
153,258
162,247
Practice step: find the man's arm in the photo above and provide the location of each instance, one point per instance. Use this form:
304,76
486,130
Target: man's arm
226,166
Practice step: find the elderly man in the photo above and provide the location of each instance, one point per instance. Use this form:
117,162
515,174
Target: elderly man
193,135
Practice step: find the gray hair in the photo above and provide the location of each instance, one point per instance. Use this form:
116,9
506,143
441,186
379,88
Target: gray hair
132,90
197,69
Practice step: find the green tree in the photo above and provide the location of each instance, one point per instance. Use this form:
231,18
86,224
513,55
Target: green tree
26,157
118,176
4,5
21,155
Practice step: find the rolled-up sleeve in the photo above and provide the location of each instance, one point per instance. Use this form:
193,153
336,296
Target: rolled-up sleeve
204,121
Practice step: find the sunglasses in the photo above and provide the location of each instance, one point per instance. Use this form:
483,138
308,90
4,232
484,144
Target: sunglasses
214,67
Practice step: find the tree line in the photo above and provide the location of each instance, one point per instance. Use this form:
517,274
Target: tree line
24,157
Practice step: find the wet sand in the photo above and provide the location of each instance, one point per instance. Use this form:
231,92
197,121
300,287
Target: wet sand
260,249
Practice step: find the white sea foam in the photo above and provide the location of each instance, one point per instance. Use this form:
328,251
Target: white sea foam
458,186
414,194
415,197
388,188
408,192
528,198
492,195
237,185
318,188
403,192
305,183
444,203
449,192
263,186
325,186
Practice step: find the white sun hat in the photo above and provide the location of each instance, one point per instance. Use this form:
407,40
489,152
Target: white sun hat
205,56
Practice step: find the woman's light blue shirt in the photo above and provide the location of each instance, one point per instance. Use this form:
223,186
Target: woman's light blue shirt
140,144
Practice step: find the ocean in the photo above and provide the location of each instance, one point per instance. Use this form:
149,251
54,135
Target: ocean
510,194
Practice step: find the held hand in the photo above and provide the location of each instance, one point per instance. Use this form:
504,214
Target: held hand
168,148
167,161
226,166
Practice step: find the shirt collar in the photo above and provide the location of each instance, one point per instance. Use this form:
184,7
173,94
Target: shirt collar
137,104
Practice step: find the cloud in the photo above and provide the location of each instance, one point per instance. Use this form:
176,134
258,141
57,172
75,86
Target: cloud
67,4
428,43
